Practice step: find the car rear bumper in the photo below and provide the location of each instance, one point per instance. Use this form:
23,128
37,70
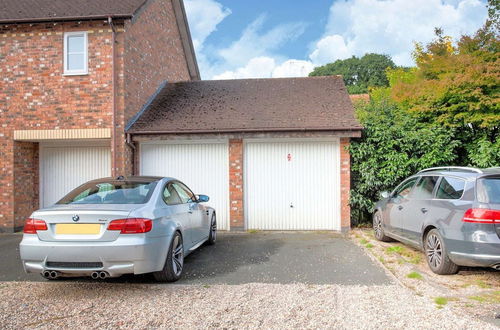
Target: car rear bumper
475,254
129,254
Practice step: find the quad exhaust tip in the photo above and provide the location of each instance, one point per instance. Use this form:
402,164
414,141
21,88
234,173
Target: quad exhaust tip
497,266
99,275
51,274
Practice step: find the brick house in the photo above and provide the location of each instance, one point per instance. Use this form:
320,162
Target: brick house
102,88
72,74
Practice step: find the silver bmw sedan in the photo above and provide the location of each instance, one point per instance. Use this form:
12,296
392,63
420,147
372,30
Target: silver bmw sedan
110,227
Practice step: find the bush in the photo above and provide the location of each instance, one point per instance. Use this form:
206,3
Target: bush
394,145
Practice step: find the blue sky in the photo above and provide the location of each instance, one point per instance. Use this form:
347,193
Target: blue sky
271,38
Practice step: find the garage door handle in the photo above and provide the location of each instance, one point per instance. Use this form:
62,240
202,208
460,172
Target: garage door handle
400,207
423,209
291,205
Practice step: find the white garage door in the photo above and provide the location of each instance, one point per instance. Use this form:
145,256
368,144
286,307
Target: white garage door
292,185
201,165
63,168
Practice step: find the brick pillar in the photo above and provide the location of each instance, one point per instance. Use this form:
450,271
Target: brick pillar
26,178
236,184
345,185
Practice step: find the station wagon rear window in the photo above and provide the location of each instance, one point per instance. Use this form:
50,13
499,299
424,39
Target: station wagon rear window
450,188
488,190
113,192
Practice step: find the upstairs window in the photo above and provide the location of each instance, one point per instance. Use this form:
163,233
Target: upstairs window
75,53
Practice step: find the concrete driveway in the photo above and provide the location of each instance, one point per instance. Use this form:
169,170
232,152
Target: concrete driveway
239,258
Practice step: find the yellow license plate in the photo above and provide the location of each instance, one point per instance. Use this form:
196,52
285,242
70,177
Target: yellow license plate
78,228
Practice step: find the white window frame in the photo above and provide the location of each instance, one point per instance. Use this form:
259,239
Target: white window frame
84,71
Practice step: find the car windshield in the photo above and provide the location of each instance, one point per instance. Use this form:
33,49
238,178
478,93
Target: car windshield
488,190
112,192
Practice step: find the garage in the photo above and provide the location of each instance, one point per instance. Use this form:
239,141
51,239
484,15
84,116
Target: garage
292,184
65,167
201,165
272,154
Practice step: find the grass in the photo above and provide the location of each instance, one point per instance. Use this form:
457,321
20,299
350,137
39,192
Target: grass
410,256
252,231
489,298
394,249
415,275
381,259
363,241
440,301
369,245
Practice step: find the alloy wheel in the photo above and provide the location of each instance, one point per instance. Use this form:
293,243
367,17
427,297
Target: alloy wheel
177,256
434,250
213,228
377,226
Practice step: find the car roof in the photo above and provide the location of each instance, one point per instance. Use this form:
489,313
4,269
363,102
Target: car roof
467,173
135,178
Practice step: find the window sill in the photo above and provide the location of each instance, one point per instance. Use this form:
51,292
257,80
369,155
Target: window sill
75,73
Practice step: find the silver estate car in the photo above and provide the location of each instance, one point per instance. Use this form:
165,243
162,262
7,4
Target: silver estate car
451,213
110,227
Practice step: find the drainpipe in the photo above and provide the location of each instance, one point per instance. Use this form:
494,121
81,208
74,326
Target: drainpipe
113,101
131,144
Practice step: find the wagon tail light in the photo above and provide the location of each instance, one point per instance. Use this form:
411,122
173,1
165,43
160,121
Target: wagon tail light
131,225
33,225
482,216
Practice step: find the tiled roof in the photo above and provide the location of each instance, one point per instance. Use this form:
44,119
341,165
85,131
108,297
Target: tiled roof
249,105
46,10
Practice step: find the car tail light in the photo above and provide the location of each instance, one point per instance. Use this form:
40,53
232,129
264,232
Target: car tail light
482,216
33,225
131,225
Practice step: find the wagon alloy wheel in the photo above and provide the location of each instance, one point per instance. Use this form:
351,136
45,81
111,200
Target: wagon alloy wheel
177,256
434,250
377,226
379,229
437,255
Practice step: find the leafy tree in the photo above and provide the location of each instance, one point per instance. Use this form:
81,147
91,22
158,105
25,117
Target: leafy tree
393,146
445,111
359,73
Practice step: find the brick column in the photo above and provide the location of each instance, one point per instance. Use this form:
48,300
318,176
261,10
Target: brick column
345,185
236,184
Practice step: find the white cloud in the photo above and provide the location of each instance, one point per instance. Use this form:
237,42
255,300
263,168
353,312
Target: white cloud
354,27
257,67
330,47
293,68
204,16
392,26
255,43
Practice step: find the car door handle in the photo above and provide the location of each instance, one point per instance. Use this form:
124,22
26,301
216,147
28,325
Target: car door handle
423,209
400,207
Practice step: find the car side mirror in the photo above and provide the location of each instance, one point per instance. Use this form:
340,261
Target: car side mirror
203,198
385,194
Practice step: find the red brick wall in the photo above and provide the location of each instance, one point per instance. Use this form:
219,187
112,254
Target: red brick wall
345,184
34,94
236,216
152,54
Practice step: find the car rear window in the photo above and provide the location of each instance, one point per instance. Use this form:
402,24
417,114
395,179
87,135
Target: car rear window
488,190
113,192
450,188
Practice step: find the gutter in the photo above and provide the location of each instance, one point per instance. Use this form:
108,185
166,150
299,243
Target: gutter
64,18
250,130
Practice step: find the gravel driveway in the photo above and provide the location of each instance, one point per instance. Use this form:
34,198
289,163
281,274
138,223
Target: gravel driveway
258,280
276,306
